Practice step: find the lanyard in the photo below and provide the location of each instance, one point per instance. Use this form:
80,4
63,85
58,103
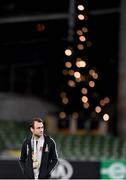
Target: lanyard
34,146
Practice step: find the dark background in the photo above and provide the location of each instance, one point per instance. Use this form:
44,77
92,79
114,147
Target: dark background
32,49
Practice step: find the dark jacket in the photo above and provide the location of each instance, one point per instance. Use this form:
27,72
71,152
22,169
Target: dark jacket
48,161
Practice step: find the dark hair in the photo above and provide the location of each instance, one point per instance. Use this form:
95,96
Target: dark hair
36,119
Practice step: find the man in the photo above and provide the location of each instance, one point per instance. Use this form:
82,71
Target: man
38,153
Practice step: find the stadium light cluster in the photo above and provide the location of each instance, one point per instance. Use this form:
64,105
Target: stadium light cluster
81,78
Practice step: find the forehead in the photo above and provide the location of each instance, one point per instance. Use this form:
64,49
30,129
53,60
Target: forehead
38,124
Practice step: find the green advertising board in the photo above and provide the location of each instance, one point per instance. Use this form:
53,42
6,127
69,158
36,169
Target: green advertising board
113,169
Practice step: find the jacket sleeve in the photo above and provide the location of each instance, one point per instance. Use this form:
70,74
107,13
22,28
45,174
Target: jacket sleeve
23,156
53,156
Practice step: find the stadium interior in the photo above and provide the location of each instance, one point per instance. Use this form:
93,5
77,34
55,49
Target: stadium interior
64,62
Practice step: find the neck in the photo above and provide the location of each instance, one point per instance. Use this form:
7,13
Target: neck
37,137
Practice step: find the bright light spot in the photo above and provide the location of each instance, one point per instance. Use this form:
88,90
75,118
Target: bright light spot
102,102
107,100
80,7
77,74
91,72
105,117
84,29
84,90
84,99
65,100
82,38
71,83
98,109
80,64
95,75
91,83
68,52
62,115
80,46
81,17
68,64
79,32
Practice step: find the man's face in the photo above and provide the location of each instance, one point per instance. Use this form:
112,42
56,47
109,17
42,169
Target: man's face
38,129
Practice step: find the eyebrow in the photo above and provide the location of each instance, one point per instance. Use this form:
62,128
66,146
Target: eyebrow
40,127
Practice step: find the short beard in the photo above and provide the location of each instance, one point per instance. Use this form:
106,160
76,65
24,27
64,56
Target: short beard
37,136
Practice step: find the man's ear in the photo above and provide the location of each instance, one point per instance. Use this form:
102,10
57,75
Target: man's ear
31,129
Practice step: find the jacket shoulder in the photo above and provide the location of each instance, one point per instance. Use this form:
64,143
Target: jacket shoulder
26,140
50,139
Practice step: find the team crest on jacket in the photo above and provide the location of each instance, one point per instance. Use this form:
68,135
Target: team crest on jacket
46,148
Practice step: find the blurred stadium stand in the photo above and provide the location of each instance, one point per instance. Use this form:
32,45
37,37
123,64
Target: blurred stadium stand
22,108
85,147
